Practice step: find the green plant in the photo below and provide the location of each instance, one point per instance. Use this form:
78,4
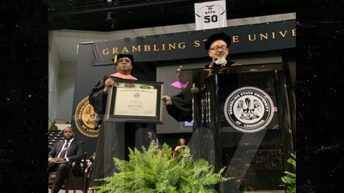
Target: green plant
290,176
50,125
156,171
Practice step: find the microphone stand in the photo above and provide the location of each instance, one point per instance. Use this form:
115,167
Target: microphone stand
194,90
211,67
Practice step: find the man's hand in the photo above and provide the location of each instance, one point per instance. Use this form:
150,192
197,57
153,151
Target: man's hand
108,83
167,100
60,160
51,161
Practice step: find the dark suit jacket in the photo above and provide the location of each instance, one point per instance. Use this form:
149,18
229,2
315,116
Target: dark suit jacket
75,151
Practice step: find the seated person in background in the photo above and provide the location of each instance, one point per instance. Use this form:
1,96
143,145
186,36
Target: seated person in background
62,155
152,139
181,146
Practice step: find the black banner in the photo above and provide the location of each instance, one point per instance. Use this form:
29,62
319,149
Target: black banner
188,45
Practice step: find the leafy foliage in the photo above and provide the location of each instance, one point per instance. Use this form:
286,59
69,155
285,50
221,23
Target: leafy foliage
157,171
50,124
290,176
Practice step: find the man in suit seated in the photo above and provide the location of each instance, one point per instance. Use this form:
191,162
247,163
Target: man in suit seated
62,155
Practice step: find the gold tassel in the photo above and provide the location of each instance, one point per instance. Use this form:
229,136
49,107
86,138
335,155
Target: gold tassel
114,58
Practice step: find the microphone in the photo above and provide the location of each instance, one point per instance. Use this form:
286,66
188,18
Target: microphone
194,90
180,68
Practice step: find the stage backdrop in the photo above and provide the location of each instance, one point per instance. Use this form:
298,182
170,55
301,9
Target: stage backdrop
187,45
94,60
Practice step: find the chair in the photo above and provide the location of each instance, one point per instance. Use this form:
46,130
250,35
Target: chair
78,176
53,137
52,177
82,173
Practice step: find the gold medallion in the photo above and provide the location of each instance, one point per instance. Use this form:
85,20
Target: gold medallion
86,119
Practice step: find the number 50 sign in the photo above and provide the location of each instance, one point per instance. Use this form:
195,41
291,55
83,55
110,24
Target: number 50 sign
210,15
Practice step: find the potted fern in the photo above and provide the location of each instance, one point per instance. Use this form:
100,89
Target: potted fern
157,171
290,176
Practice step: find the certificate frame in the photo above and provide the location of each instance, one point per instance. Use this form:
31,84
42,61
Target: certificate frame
122,99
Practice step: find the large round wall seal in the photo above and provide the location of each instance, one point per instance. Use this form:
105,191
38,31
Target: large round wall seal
249,109
86,119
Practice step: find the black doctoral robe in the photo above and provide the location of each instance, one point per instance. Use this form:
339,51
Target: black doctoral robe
202,141
181,108
114,137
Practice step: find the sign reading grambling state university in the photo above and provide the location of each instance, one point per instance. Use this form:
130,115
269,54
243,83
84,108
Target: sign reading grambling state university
188,45
249,109
85,118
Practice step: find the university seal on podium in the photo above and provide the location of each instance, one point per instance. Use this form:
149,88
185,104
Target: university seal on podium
86,119
249,109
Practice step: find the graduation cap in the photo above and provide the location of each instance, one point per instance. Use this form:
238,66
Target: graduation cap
218,36
117,57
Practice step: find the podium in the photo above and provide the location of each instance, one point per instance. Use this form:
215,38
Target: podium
242,120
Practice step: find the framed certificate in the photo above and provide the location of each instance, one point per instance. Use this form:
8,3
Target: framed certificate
134,101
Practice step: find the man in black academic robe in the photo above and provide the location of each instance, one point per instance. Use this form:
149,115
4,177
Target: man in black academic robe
204,142
180,105
114,137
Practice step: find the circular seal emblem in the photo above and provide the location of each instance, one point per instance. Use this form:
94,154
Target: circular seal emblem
86,119
249,109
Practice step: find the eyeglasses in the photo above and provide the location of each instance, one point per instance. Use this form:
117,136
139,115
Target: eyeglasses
216,48
124,60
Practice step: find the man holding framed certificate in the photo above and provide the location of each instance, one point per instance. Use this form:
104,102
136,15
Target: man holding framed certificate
114,136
